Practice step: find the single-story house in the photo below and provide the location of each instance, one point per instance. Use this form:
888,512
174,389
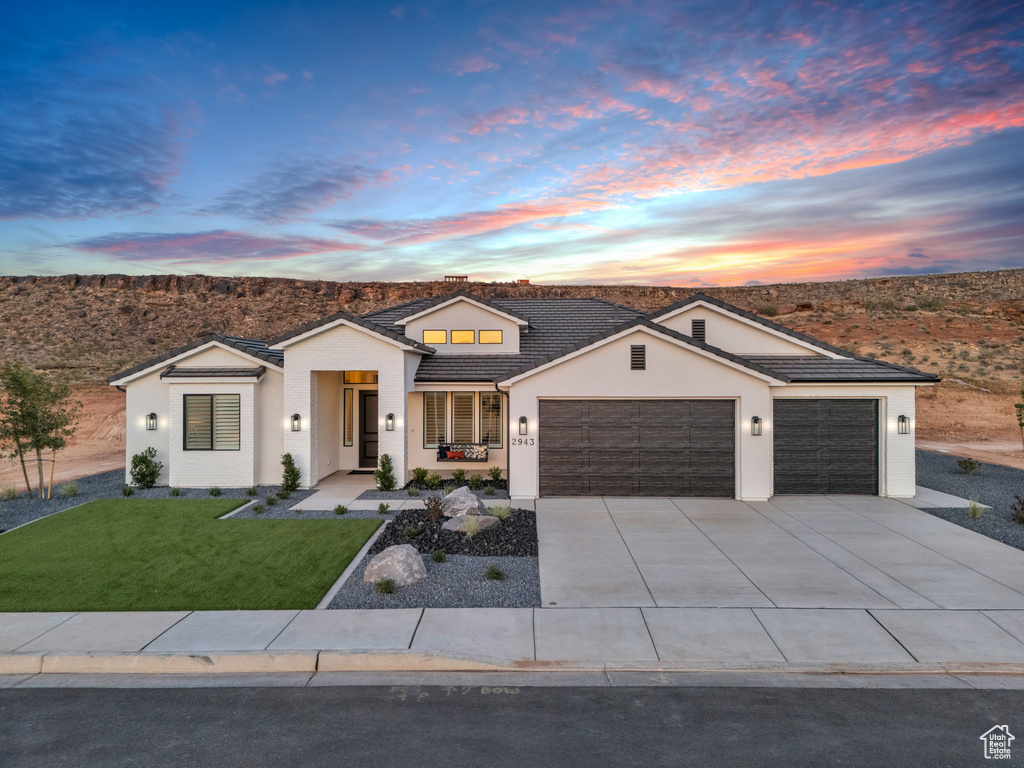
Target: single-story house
569,397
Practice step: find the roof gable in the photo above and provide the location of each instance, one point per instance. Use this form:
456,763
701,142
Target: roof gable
749,318
424,309
352,321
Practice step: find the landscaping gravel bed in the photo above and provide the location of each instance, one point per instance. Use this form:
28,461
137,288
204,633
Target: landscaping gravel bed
281,511
107,485
457,583
515,537
374,495
991,484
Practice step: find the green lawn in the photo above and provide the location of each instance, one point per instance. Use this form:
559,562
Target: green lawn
173,554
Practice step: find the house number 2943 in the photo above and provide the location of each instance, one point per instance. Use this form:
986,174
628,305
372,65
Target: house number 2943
522,441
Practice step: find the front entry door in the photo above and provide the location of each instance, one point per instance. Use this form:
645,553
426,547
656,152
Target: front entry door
368,429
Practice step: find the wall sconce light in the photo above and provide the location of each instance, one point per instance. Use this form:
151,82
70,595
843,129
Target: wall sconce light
756,426
903,425
296,423
151,422
522,425
389,422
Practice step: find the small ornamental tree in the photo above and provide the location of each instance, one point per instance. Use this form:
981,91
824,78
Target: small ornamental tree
1020,415
145,468
292,474
385,473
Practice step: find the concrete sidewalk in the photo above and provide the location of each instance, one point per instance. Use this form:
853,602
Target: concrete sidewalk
495,639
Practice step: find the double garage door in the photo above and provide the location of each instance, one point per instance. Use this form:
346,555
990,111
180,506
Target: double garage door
637,448
688,447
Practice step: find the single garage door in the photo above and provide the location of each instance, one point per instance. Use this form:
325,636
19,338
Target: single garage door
826,446
637,448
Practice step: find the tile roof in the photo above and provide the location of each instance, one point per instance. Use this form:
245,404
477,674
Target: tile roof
749,316
251,347
388,330
174,372
808,368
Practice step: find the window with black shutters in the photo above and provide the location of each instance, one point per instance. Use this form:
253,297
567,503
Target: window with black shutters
638,357
698,331
213,422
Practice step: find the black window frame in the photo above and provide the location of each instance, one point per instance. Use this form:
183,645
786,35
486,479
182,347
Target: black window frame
213,419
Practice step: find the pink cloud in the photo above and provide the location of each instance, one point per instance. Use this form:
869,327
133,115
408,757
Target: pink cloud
474,64
274,77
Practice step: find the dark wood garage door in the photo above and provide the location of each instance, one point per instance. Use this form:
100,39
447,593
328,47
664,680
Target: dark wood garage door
826,446
637,448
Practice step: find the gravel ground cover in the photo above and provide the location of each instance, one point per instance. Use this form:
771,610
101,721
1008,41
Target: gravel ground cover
991,484
403,495
107,485
457,583
515,537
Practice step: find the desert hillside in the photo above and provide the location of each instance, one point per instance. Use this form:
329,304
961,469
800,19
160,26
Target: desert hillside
968,327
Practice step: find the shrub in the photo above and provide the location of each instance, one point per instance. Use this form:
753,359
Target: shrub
448,489
215,491
969,466
385,586
433,481
175,492
271,501
975,510
257,509
8,493
383,509
439,555
767,309
494,573
471,525
494,473
145,468
1017,514
930,304
459,476
341,509
412,531
433,508
501,512
385,473
283,494
298,511
419,475
412,490
476,482
69,489
127,490
291,476
489,490
252,490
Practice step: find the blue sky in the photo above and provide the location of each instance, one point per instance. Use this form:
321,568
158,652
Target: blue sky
598,142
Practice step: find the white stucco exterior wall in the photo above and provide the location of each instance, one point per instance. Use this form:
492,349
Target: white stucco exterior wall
896,464
144,396
342,348
672,372
732,334
463,316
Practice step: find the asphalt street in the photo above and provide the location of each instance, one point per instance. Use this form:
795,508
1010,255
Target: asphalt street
515,726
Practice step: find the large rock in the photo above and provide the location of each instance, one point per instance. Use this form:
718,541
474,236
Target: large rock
401,562
458,523
461,501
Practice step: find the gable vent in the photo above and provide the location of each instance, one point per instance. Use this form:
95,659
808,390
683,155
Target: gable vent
698,331
638,357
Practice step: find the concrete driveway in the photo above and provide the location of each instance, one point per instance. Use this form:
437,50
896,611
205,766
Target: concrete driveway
851,552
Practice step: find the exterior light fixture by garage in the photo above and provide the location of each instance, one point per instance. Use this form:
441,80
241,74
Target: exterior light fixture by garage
903,425
756,426
151,422
389,422
296,423
522,425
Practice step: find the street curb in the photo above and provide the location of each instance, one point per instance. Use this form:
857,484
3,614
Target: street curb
151,663
20,664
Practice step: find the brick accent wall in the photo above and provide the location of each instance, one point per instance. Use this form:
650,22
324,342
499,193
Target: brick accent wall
200,469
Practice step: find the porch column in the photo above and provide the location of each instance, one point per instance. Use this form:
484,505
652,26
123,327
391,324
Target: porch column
394,378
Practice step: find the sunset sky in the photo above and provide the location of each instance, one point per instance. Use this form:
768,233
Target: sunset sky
656,142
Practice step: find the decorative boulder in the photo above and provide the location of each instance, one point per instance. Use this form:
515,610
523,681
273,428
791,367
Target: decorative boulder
458,523
401,562
461,501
